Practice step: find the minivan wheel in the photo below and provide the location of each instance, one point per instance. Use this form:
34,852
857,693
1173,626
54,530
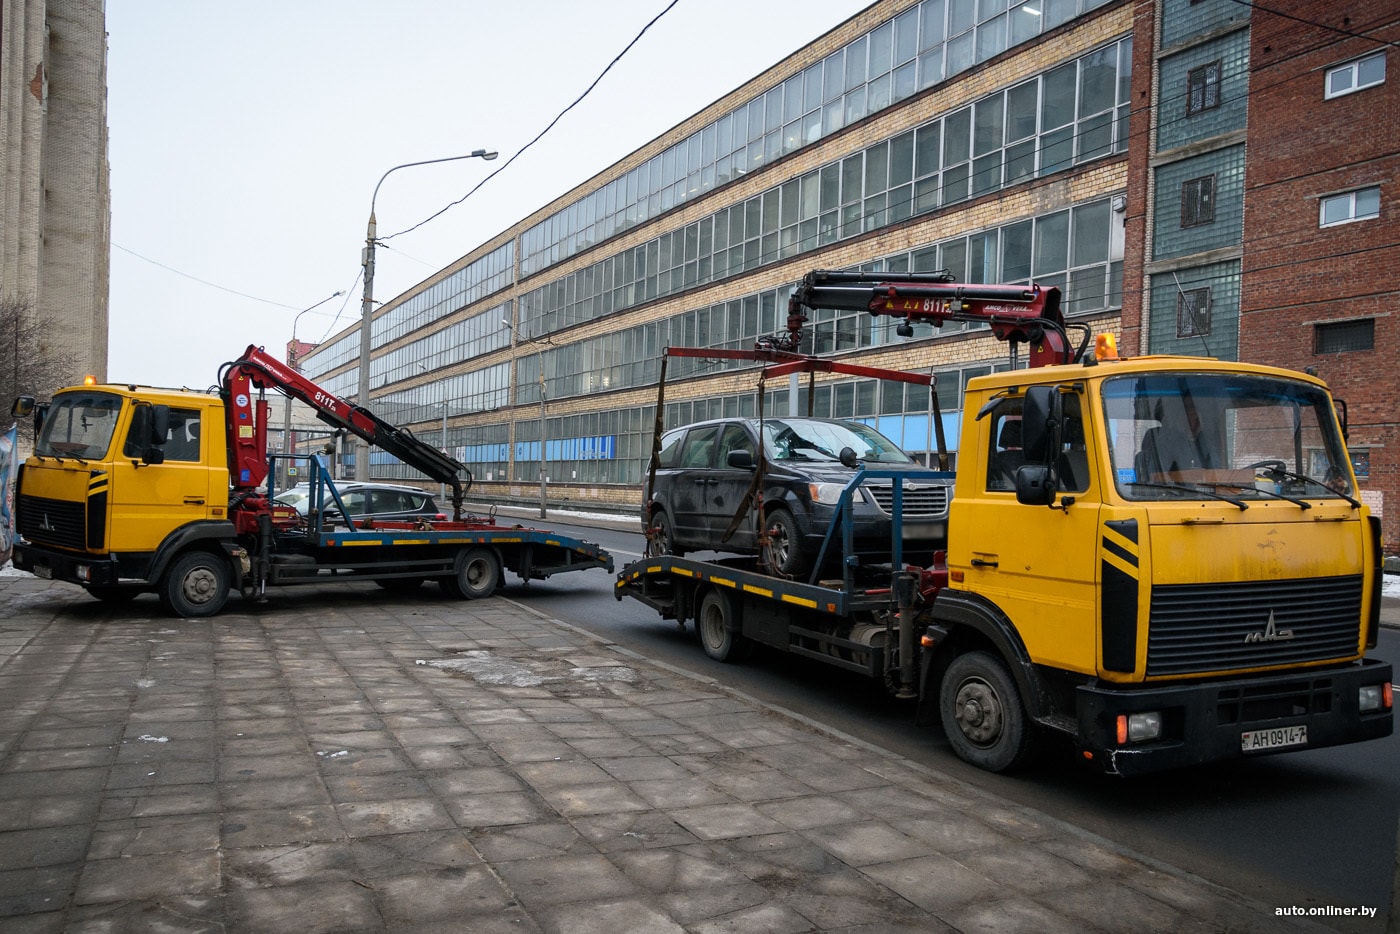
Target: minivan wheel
785,544
663,537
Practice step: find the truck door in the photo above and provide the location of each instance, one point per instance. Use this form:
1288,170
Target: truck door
1038,564
149,501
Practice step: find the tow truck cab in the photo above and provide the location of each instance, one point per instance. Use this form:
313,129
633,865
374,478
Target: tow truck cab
1175,562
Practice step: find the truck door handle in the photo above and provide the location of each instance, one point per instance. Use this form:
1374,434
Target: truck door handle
984,563
194,500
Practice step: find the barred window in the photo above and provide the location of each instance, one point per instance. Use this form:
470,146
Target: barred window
1203,88
1344,336
1193,312
1198,201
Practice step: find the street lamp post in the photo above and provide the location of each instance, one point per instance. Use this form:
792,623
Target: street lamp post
367,305
294,361
543,399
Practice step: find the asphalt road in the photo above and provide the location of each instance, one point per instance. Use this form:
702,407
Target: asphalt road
1310,828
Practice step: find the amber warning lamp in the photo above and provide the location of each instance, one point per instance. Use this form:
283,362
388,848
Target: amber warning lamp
89,380
1105,347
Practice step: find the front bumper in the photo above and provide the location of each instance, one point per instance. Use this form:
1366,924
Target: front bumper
51,564
1204,722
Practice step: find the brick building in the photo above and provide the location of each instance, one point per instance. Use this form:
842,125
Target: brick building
55,198
1046,140
1261,216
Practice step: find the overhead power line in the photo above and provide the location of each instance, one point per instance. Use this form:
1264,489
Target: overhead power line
541,134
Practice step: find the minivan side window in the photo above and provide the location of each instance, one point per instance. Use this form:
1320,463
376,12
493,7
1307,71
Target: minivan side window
735,438
670,449
699,450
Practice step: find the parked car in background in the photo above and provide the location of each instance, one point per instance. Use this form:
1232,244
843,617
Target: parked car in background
368,501
704,473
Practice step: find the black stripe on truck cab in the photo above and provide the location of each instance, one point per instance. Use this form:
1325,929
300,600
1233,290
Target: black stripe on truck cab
1118,609
96,519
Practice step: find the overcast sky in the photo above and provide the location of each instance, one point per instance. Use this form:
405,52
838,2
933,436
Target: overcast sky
247,139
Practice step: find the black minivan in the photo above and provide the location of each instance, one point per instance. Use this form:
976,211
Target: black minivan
705,471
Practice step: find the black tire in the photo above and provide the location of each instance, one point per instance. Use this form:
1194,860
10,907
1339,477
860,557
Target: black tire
476,574
195,585
112,594
713,624
663,537
785,544
983,716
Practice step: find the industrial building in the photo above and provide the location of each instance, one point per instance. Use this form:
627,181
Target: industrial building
1199,176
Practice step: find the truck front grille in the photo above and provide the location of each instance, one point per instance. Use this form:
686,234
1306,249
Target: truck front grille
924,501
51,522
1196,629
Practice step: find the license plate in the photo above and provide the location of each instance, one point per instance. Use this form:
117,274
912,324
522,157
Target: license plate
44,571
1277,738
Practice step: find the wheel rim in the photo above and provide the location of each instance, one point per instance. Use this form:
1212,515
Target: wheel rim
779,545
978,712
199,586
477,574
663,535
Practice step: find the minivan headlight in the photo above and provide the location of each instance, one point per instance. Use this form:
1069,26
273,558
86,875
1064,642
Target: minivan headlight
828,494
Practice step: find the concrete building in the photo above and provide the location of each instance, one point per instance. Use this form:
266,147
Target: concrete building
55,200
1046,140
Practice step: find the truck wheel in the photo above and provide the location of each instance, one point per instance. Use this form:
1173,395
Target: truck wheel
712,625
982,713
785,544
476,573
195,585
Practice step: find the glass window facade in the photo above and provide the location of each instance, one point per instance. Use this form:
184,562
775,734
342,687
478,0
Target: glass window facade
924,45
1073,114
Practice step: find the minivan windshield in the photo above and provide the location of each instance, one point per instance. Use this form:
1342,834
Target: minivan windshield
1223,436
79,425
805,439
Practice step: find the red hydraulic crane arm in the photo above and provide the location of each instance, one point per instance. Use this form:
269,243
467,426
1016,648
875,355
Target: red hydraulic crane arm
1015,313
248,419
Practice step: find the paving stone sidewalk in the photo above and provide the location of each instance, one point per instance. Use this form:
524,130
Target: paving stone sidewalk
348,760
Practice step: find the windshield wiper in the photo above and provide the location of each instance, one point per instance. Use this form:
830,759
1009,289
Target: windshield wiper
1183,488
1284,472
1300,503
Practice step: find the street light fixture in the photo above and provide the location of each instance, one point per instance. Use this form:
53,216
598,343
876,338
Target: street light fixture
294,361
367,307
540,342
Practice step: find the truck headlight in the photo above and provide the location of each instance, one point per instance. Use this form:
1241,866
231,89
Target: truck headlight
1139,727
1373,697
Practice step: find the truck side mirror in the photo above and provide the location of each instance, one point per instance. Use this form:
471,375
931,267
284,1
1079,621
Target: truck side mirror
1036,485
23,407
1042,416
160,424
740,460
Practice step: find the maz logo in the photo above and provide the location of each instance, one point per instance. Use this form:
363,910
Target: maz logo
1270,633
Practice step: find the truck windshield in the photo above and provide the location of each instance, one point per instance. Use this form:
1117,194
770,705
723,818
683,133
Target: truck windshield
1223,436
79,425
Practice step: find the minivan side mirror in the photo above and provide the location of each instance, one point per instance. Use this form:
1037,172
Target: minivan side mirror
740,460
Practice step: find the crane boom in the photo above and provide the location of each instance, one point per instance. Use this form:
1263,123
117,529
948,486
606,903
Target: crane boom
1015,313
248,420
